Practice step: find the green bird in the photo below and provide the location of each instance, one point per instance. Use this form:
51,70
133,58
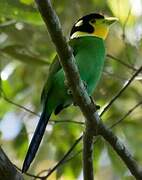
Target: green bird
87,41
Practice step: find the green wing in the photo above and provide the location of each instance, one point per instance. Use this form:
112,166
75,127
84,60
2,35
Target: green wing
54,68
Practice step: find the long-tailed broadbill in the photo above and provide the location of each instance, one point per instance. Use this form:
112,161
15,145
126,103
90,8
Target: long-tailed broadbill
87,41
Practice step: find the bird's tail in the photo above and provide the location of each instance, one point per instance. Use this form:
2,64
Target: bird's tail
37,137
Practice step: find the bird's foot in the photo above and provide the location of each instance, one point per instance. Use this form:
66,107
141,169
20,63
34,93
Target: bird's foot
69,92
96,105
75,104
85,85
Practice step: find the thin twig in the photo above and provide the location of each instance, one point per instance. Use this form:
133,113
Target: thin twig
34,113
122,151
67,121
7,23
114,76
125,23
63,158
121,90
28,174
20,106
122,62
43,171
71,157
4,96
124,36
127,114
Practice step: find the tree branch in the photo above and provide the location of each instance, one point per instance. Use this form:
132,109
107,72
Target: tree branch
122,151
127,114
3,95
121,90
63,158
122,62
88,155
7,169
79,91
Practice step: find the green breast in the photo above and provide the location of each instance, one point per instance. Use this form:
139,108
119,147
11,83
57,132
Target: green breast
90,55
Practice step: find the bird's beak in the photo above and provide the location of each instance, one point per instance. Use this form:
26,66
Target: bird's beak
110,20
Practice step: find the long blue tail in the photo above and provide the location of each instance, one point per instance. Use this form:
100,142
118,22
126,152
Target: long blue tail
37,137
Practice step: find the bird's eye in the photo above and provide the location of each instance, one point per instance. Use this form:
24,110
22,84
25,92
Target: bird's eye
93,21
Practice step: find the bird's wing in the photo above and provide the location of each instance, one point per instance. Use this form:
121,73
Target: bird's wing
54,68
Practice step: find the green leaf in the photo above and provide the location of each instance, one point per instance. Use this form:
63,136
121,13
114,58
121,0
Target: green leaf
20,11
19,53
122,10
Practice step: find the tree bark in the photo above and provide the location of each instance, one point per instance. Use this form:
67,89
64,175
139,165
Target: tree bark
7,169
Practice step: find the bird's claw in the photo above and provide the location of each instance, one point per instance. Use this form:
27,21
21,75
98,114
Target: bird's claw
96,105
69,92
75,104
85,85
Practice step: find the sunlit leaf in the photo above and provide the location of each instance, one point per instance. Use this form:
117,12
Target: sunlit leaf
19,11
122,10
28,2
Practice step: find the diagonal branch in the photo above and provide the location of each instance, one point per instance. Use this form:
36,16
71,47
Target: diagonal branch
121,90
63,158
122,151
122,62
127,114
3,95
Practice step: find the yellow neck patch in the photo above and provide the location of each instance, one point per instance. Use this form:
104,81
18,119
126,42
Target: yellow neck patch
100,31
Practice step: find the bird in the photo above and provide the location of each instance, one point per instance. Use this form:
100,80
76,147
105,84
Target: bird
87,42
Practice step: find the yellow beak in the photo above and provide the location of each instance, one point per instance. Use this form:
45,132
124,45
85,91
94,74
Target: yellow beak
110,20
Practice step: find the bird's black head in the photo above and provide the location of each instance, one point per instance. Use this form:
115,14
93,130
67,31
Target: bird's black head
92,24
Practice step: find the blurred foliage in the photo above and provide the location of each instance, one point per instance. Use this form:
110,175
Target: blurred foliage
26,51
